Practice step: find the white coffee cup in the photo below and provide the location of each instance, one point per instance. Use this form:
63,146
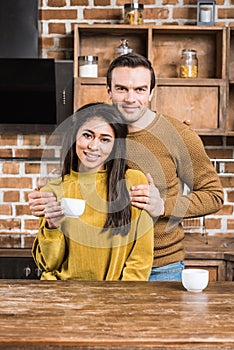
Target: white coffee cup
73,207
195,280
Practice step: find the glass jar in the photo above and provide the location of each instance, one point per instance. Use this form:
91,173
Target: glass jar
88,66
123,48
133,13
189,64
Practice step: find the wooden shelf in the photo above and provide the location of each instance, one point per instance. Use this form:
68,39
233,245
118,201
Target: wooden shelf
202,100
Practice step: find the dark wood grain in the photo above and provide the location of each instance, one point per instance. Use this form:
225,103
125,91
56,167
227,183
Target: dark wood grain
115,315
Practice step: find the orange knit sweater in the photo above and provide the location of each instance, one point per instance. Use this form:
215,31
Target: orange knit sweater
174,155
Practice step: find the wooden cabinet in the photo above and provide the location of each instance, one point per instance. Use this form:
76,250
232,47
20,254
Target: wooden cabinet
214,254
18,264
216,268
201,100
230,72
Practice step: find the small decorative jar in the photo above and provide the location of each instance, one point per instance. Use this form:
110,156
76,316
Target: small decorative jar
133,13
88,66
123,48
189,64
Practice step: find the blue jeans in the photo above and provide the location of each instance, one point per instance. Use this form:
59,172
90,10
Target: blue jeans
170,272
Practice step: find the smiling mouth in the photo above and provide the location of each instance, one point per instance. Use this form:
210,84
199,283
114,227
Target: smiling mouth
91,156
129,108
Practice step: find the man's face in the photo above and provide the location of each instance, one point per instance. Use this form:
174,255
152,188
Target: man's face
130,91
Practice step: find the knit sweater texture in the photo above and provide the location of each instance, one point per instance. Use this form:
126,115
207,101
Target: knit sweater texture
78,249
174,156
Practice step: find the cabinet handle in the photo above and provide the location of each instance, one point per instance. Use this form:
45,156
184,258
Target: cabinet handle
27,271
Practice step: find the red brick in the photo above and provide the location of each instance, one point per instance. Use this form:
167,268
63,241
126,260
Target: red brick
115,14
31,224
230,224
102,3
15,182
66,43
79,2
5,209
31,140
47,42
185,13
230,196
227,13
156,13
11,196
61,55
170,2
10,168
58,14
28,240
227,182
32,168
34,153
23,210
8,140
10,240
56,3
57,28
10,224
225,210
5,153
212,224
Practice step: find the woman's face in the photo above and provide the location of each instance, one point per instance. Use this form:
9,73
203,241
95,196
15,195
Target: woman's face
94,143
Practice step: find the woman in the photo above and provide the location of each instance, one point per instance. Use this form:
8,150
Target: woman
111,240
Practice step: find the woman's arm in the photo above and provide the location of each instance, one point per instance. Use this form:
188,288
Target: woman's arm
49,247
139,263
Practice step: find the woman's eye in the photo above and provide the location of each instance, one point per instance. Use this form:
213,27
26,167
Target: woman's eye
87,135
106,140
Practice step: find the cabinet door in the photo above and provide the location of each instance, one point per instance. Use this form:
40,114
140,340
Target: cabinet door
197,105
87,90
230,63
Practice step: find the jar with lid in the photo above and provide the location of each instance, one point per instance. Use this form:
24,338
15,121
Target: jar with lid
88,66
189,64
123,48
133,13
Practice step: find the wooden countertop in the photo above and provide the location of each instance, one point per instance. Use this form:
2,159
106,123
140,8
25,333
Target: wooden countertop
115,315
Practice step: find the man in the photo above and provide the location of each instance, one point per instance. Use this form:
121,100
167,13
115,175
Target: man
170,153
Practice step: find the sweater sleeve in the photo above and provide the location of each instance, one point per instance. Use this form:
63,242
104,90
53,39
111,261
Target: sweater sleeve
48,248
197,172
139,263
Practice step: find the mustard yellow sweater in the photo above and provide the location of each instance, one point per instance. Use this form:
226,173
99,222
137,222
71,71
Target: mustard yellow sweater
174,155
79,250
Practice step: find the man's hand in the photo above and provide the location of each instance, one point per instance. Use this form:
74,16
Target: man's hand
38,200
147,197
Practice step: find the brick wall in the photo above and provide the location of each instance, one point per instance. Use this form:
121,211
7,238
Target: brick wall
21,164
57,18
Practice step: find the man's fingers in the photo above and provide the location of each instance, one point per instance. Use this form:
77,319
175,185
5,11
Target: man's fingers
150,179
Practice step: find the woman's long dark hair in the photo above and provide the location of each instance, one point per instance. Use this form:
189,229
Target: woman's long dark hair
119,207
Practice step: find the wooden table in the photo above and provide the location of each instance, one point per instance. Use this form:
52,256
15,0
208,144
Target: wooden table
115,315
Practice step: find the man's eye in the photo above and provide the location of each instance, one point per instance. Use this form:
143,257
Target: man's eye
140,90
120,89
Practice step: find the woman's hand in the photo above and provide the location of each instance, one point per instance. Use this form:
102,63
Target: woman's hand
37,201
147,197
53,214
